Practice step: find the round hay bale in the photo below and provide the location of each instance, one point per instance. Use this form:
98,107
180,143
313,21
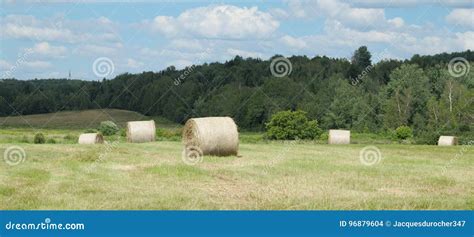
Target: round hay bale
337,136
447,141
91,138
212,135
141,131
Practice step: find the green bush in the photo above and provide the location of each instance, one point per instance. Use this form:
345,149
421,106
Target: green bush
123,133
291,125
24,139
324,136
108,128
39,139
51,141
403,132
70,137
464,128
429,138
167,135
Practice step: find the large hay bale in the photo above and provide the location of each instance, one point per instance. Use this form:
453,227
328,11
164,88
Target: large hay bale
212,135
337,136
141,131
91,138
447,141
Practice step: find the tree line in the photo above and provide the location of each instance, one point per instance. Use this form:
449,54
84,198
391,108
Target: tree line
422,92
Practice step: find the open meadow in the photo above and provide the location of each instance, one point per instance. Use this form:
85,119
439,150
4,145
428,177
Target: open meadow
266,175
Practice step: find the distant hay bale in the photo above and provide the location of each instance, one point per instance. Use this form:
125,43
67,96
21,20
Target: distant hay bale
212,135
447,141
339,136
141,131
91,138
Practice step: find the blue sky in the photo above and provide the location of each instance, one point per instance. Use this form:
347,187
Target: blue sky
47,38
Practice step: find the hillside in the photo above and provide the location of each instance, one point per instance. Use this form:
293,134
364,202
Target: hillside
424,93
72,119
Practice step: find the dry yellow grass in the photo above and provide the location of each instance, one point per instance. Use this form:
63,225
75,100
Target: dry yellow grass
267,176
71,119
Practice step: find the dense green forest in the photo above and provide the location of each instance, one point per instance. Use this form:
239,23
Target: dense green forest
419,92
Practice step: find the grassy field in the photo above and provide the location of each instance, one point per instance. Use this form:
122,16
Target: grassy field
266,175
76,119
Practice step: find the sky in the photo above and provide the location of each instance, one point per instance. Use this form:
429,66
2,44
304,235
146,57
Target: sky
96,39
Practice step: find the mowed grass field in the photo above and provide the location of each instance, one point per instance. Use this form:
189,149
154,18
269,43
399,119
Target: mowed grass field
265,176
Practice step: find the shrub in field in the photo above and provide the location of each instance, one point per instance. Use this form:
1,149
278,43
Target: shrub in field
24,139
123,132
51,141
429,138
403,132
464,128
70,138
324,136
108,128
39,139
87,156
291,125
168,135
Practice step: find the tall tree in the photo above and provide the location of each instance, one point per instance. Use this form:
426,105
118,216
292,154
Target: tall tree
406,94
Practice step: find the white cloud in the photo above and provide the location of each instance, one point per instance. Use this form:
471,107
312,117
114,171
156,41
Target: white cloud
397,22
362,18
179,63
37,64
149,52
97,50
186,44
465,40
346,35
243,53
45,49
349,25
219,32
37,33
4,65
132,63
293,42
58,29
165,25
279,13
338,40
221,21
410,3
462,17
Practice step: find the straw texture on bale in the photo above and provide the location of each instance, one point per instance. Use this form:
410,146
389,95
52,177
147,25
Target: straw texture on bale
447,141
339,136
212,135
91,138
141,131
